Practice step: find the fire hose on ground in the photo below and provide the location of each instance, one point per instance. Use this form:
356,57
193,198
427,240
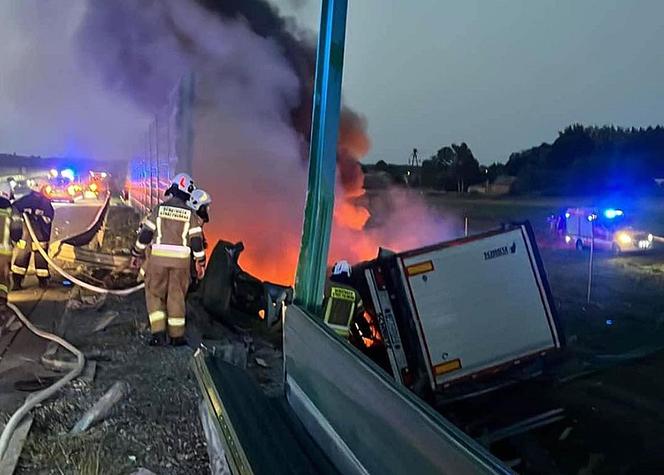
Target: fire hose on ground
71,278
35,398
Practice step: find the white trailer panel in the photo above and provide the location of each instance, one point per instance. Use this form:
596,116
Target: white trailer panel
479,304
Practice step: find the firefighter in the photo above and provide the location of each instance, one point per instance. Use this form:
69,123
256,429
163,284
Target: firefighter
173,232
199,201
342,303
11,228
40,212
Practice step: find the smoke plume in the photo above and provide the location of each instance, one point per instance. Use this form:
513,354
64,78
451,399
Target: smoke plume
254,87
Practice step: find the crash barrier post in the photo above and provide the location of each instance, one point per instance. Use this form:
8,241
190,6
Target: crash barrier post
36,398
360,417
68,276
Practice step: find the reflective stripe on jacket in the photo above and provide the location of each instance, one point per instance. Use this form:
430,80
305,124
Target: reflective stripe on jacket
173,233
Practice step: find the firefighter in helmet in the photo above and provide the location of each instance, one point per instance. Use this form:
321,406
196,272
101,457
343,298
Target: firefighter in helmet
39,211
11,228
173,232
199,201
342,304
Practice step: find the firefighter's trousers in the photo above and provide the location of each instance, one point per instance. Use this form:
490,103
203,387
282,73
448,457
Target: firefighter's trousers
165,291
26,248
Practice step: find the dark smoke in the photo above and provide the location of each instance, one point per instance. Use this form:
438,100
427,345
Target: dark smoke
254,88
142,51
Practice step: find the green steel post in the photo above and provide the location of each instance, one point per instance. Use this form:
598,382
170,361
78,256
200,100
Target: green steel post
310,278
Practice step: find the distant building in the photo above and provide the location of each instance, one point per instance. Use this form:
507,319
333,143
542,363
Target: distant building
502,185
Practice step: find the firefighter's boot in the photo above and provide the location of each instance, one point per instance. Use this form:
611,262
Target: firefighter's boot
159,339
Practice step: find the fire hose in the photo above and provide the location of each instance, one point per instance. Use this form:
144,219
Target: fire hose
71,278
35,398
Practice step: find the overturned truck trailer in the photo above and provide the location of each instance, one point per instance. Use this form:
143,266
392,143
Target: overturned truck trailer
461,310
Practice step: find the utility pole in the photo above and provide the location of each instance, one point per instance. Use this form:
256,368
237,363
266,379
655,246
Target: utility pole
414,160
414,168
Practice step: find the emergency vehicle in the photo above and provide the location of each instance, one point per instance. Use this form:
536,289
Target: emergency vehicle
62,189
606,229
97,184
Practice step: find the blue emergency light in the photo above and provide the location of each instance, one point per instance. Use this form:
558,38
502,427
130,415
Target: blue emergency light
67,173
611,213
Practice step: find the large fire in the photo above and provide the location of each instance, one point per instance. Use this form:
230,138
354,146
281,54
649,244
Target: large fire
259,190
262,205
272,249
278,264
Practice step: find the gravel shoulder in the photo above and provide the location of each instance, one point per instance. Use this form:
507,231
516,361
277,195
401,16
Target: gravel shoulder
156,426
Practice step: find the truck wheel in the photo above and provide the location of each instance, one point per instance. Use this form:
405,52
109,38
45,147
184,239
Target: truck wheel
579,245
615,249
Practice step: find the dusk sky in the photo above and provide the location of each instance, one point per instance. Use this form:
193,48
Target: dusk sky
501,76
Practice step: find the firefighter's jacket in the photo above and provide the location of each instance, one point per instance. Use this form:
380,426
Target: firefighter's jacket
40,213
173,232
11,226
342,303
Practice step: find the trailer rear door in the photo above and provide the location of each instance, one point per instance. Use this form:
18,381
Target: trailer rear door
479,303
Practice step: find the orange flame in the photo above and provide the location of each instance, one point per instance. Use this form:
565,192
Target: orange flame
261,203
350,216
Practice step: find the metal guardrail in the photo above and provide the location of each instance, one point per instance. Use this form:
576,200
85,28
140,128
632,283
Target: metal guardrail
361,418
221,425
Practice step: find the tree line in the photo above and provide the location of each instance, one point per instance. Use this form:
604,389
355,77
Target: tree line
583,160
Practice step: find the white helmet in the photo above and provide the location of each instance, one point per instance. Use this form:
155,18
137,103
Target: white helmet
183,182
341,267
199,198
